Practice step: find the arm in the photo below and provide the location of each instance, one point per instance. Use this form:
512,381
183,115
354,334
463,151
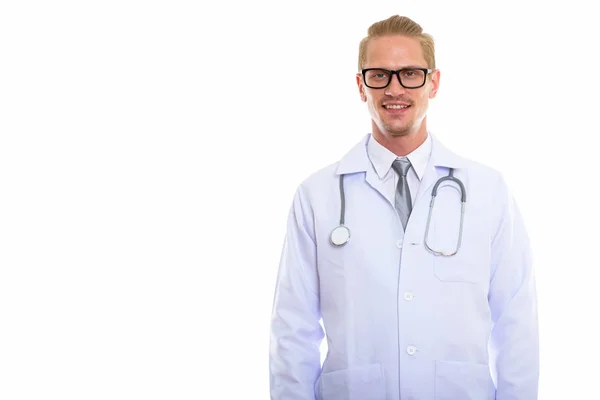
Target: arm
296,335
514,348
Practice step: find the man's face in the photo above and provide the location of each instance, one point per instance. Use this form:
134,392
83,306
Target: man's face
386,106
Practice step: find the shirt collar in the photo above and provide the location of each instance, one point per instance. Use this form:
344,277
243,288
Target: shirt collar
382,158
357,160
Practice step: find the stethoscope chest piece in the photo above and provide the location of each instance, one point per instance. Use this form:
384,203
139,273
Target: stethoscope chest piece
340,235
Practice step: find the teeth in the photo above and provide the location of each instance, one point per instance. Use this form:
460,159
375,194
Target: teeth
395,107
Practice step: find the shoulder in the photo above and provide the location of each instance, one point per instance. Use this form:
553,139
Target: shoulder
486,185
320,176
317,183
476,170
320,182
488,190
480,170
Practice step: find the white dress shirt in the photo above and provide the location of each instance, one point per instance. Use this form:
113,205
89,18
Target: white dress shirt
382,160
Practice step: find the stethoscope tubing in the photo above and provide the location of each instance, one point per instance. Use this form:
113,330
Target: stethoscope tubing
341,234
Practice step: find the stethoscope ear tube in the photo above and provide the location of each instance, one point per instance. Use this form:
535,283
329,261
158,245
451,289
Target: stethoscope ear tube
450,177
341,234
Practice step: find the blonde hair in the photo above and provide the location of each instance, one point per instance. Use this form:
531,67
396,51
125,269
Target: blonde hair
397,25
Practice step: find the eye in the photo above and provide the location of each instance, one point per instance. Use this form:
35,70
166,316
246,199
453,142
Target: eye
378,74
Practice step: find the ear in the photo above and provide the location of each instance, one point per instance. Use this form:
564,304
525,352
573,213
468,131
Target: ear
435,83
361,88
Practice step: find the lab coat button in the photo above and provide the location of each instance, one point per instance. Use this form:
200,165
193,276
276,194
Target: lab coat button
408,296
399,243
411,350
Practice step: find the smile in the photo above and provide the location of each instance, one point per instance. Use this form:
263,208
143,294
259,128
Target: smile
395,106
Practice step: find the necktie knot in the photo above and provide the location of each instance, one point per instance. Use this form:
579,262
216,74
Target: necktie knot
401,166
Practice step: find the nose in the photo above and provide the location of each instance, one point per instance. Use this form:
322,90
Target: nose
395,88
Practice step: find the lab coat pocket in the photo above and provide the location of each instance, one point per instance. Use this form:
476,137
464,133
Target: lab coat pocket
459,268
356,383
463,381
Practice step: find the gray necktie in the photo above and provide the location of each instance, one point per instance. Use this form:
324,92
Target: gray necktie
403,200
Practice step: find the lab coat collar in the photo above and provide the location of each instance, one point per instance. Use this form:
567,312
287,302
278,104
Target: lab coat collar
357,160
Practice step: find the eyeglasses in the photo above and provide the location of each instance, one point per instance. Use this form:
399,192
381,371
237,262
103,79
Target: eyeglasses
410,78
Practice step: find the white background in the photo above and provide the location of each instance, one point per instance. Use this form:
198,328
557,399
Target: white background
149,152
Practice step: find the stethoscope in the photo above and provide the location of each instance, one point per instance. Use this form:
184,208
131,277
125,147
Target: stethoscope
341,234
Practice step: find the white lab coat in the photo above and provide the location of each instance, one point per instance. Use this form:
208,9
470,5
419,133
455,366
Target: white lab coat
402,323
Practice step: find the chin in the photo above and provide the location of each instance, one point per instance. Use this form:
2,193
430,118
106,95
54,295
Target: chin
399,130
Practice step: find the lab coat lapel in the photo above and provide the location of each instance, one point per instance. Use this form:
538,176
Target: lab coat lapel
357,160
441,159
373,179
431,176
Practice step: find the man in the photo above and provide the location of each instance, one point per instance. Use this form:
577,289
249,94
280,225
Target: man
417,303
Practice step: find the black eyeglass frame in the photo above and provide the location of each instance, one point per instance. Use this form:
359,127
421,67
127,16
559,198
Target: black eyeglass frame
426,71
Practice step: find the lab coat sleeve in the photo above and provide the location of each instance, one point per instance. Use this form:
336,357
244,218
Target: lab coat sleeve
514,345
296,332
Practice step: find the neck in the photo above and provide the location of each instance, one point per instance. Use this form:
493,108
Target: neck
401,145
